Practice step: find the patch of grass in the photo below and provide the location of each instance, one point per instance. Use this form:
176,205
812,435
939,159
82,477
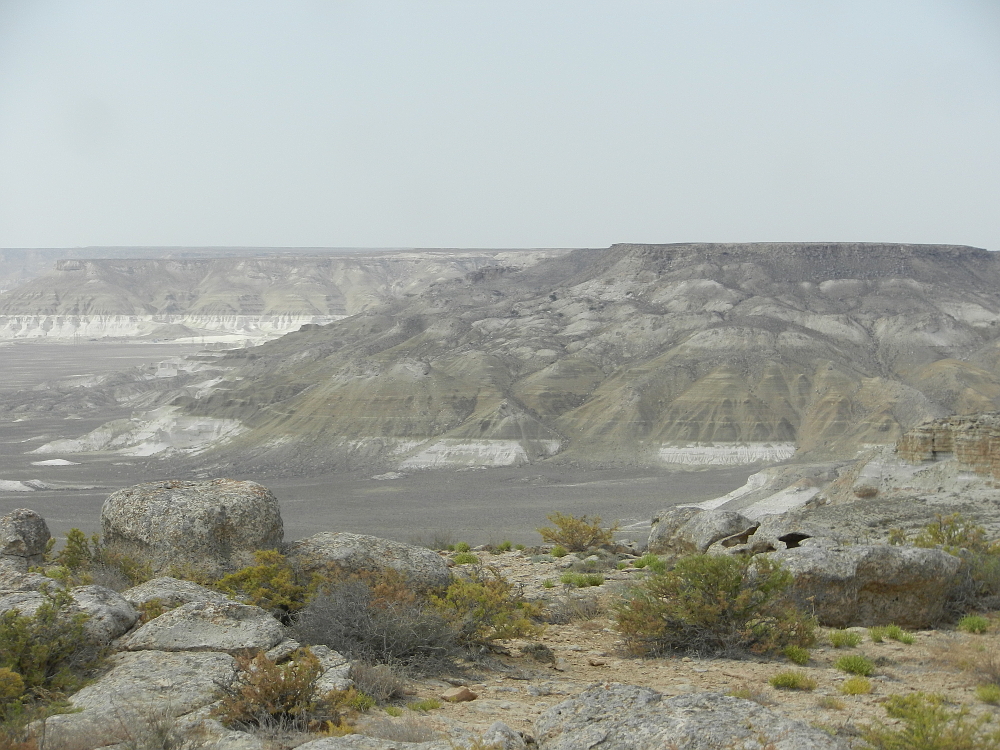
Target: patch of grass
844,638
796,654
651,561
792,680
427,704
855,664
856,686
519,547
896,633
581,580
462,547
393,710
989,693
976,624
577,533
925,722
750,692
505,546
465,558
877,633
559,551
714,605
830,703
549,583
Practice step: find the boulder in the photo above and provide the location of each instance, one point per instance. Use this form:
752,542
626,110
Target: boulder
627,717
423,568
216,523
363,742
171,592
23,536
207,626
686,531
773,534
336,670
870,584
108,614
14,580
138,687
663,537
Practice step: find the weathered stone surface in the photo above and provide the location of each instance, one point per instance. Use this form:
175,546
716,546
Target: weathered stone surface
626,717
109,614
23,535
459,695
12,580
172,592
361,742
865,585
710,526
775,533
663,536
137,686
216,522
25,602
336,670
207,626
355,552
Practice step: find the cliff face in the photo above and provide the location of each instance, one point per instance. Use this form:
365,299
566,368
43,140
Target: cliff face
974,441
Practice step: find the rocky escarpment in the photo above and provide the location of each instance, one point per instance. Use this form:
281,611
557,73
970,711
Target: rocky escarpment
972,440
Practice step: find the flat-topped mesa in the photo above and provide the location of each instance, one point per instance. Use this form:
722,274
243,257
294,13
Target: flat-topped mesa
973,440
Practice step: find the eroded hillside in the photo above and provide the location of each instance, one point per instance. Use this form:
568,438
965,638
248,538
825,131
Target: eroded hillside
637,354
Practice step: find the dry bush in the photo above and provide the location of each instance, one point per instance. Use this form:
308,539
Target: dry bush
577,533
575,608
408,728
381,681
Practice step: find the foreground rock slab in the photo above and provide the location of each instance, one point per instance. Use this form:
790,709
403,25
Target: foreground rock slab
870,584
207,626
171,592
219,522
627,717
139,685
421,567
23,535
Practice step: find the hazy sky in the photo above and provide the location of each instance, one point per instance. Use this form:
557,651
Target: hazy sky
498,124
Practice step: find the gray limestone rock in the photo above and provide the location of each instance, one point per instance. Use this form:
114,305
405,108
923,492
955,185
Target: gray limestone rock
336,670
13,580
865,585
171,592
626,717
217,522
109,614
207,626
139,688
663,536
23,536
362,742
711,526
422,567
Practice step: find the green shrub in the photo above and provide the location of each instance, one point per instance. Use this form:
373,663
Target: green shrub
581,580
989,693
549,583
793,680
796,654
84,561
559,551
427,704
844,638
856,686
926,723
394,710
651,561
519,547
270,584
484,606
577,533
719,605
11,685
465,558
896,633
50,649
463,547
974,624
505,546
855,664
877,633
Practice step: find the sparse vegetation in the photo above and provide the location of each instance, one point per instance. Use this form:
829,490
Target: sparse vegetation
855,664
270,584
792,680
856,686
581,580
721,605
830,703
485,606
463,547
465,558
796,654
505,546
988,693
380,681
85,560
844,638
424,705
876,633
559,551
976,624
577,533
925,722
896,633
651,561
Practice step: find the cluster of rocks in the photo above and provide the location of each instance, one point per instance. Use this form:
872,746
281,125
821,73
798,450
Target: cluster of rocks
177,662
843,585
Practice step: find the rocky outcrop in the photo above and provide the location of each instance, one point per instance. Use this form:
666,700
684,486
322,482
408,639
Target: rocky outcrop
171,592
865,585
108,614
974,441
139,685
422,567
218,522
23,536
626,717
685,531
207,626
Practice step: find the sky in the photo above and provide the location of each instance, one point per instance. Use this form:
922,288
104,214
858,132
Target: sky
498,124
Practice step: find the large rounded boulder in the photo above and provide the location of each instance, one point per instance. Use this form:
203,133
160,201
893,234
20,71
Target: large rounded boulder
23,536
217,522
351,553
